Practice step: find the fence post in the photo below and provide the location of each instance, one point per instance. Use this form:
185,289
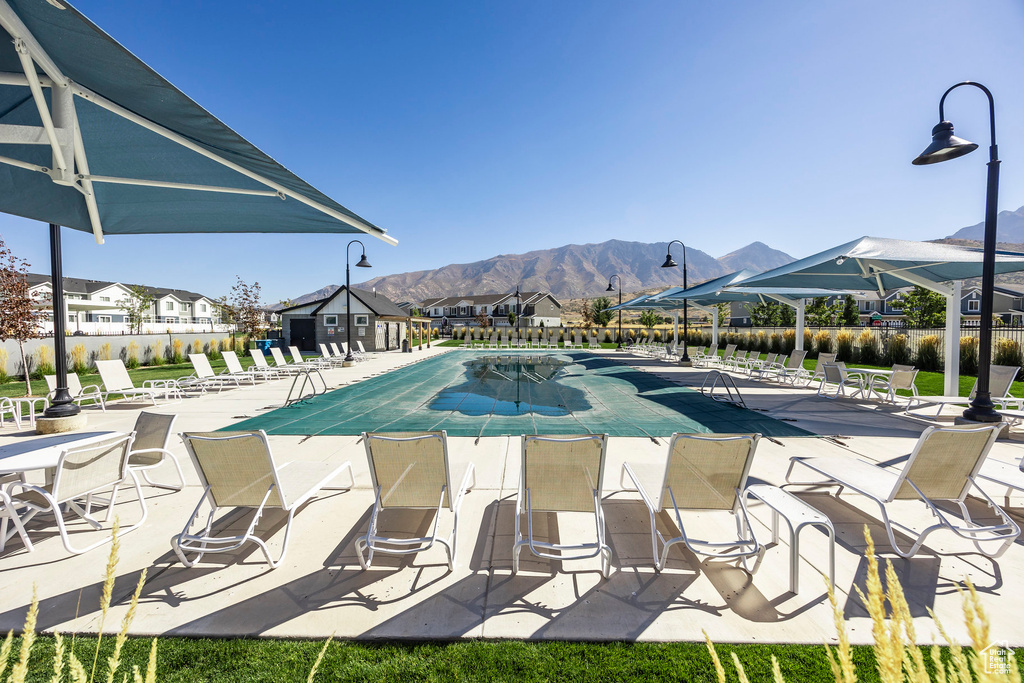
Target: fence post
952,370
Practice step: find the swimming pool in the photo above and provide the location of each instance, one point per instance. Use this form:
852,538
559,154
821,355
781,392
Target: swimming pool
470,393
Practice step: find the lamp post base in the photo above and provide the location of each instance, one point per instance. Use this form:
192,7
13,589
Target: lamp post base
1004,433
347,363
687,363
60,425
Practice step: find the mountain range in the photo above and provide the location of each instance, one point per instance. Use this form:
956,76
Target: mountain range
574,270
1009,228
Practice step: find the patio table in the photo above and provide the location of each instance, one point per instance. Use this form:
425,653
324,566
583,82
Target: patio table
43,453
871,374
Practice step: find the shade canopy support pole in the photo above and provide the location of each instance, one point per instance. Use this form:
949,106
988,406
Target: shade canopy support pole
800,325
952,371
63,405
675,330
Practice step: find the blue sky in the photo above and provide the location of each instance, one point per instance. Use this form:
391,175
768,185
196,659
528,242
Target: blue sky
474,129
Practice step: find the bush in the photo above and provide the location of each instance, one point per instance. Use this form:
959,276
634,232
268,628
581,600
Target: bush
105,352
214,350
968,355
928,354
45,365
79,359
158,352
897,350
823,341
133,356
227,344
844,346
762,341
808,339
178,352
1006,352
4,377
788,341
775,343
607,336
868,347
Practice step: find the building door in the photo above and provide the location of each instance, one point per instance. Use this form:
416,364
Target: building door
303,333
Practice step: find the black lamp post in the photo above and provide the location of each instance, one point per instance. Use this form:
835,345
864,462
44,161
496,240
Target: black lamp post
670,263
947,146
618,346
363,263
63,405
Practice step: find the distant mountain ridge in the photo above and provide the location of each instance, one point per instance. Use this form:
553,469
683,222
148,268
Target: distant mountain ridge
571,271
1009,228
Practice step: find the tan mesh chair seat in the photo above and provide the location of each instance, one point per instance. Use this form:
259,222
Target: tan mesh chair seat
943,466
562,474
116,380
237,469
836,377
80,474
411,470
149,450
79,394
702,472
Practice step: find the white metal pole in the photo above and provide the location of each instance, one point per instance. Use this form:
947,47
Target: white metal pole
952,374
675,331
800,325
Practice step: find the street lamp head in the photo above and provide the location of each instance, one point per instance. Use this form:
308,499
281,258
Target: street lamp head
944,146
669,262
610,288
363,263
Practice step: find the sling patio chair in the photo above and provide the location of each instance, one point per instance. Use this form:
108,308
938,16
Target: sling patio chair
836,378
592,342
329,358
115,380
81,473
8,515
237,469
703,472
943,467
757,362
9,408
819,369
793,369
360,351
577,340
704,358
411,470
261,365
149,450
562,474
901,379
235,369
79,394
730,351
357,355
282,365
317,362
204,377
1000,380
340,353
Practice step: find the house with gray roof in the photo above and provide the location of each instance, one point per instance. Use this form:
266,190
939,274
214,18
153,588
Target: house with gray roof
452,311
377,321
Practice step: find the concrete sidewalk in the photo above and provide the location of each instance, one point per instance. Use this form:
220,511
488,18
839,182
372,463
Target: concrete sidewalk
319,588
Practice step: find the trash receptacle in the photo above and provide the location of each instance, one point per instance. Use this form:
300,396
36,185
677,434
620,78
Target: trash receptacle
264,345
405,346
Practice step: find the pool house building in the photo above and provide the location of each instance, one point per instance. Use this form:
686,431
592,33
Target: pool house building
377,321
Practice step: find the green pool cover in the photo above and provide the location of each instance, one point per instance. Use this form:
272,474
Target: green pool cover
512,393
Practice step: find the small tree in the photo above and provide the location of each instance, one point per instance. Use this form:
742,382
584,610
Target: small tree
587,314
137,306
850,315
924,308
599,313
19,315
511,319
724,313
246,308
765,314
821,314
481,320
649,319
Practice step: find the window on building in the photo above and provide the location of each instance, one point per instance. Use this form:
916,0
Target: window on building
72,318
168,305
462,310
974,305
331,320
104,298
103,318
202,308
361,320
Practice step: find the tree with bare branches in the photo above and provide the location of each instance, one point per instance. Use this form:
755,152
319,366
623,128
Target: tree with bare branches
246,308
19,313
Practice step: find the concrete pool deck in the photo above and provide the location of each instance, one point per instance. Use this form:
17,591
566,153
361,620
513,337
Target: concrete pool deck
319,589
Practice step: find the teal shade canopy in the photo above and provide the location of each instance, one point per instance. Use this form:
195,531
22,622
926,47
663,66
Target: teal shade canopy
151,160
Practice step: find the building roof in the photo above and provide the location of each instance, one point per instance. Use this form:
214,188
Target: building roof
74,285
377,303
485,299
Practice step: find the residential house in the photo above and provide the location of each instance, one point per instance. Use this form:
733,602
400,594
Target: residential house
537,308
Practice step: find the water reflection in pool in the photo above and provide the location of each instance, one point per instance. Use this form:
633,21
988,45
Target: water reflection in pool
513,385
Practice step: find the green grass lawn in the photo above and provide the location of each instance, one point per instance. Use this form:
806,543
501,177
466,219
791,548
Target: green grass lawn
251,660
16,387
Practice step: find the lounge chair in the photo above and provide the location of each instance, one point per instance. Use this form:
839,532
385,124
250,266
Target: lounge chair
115,380
357,355
836,377
332,360
562,474
757,363
360,351
730,351
410,470
592,342
942,467
705,358
9,515
260,364
204,377
283,366
577,340
79,394
819,369
707,473
793,369
149,450
81,473
316,362
235,369
237,469
1000,380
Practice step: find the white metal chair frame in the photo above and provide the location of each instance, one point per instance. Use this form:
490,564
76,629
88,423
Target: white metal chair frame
157,450
1006,532
121,384
8,407
902,377
78,393
331,359
9,514
282,365
204,376
836,375
269,371
53,498
556,551
745,541
206,543
372,542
